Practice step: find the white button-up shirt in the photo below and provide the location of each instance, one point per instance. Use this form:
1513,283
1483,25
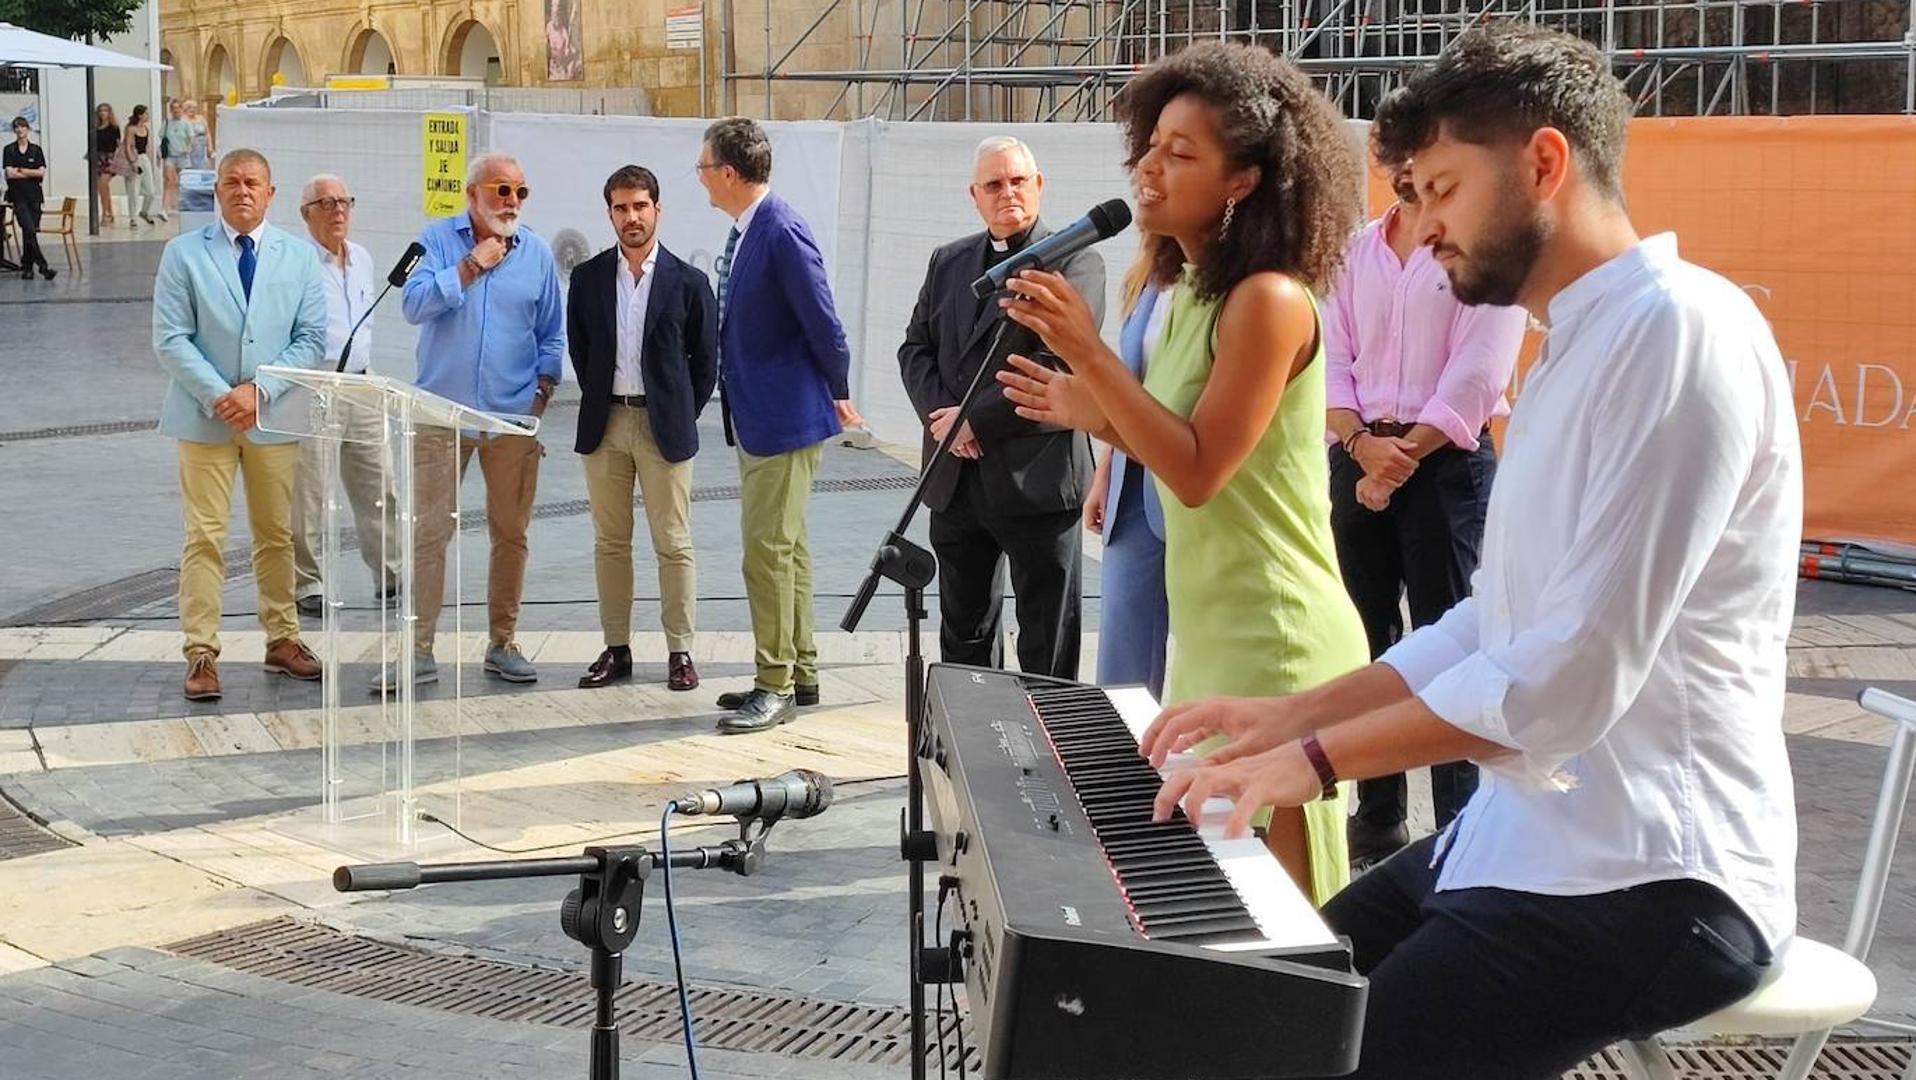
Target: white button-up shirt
744,221
1627,630
634,296
233,235
349,295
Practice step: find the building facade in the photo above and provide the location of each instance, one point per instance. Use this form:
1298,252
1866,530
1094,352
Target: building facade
239,50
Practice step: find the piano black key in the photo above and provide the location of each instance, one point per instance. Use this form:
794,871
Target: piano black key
1163,868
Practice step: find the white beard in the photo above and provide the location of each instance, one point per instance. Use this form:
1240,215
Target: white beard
501,225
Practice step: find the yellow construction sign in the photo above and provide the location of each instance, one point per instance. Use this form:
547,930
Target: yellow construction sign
444,149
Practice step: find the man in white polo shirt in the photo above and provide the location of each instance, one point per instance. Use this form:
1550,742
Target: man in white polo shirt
351,285
1628,864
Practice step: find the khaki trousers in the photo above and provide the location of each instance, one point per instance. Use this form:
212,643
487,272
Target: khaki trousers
206,504
627,455
778,565
368,491
510,464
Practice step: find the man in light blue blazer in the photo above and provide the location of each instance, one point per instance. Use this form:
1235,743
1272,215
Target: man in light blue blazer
229,299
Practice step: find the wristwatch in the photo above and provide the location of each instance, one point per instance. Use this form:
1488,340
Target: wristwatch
1326,775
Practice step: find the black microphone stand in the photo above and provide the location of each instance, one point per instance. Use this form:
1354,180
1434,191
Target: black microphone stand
347,350
602,913
914,568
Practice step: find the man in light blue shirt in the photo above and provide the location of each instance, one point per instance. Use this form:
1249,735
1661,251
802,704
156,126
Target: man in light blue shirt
346,270
492,337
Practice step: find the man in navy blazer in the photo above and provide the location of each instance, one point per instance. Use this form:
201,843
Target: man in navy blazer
784,387
642,328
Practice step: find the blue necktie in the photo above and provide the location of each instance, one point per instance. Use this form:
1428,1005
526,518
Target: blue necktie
248,262
725,267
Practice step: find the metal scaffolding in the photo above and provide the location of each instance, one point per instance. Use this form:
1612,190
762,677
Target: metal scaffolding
1011,60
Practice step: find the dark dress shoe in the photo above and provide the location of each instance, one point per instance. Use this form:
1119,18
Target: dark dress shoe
47,272
1371,844
606,670
683,676
801,695
311,606
761,711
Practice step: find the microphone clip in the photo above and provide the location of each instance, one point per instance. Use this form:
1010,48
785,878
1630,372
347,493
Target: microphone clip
749,848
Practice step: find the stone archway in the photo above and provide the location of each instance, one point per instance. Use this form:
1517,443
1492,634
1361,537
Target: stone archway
173,80
472,52
220,79
282,65
369,52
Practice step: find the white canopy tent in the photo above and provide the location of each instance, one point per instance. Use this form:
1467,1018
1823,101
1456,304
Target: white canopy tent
20,47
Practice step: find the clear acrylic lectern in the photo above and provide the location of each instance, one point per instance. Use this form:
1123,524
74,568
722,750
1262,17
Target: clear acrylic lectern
386,757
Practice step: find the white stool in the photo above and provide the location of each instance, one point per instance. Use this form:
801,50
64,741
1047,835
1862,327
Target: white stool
1812,987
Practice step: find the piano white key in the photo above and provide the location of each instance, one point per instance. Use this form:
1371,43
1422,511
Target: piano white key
1281,910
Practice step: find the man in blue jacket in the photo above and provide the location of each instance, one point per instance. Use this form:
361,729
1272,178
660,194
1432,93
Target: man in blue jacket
491,337
230,298
784,390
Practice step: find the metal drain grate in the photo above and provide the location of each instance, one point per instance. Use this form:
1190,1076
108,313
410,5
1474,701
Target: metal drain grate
112,427
747,1020
753,1021
21,836
1840,1061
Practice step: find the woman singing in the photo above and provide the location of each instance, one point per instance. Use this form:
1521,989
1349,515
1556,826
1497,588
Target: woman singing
1239,160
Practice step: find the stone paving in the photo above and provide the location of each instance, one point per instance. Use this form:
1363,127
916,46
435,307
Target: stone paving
188,819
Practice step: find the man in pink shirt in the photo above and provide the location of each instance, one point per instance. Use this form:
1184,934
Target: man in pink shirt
1414,378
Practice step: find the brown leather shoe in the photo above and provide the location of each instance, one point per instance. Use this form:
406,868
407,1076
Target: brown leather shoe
290,657
683,676
203,678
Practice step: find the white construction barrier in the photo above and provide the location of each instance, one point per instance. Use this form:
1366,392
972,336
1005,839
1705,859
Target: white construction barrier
879,196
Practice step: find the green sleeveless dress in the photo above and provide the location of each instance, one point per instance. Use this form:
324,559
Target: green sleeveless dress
1257,604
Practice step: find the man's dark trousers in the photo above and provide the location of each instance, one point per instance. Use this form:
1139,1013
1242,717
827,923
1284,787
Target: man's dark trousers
1422,548
1046,559
1496,984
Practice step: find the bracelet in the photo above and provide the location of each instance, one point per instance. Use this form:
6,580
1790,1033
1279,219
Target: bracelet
1326,775
1351,441
472,264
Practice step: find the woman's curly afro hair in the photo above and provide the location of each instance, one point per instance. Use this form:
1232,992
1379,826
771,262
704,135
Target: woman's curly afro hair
1309,194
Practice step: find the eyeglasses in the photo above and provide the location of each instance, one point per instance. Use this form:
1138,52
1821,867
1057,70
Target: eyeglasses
704,165
330,205
997,187
506,190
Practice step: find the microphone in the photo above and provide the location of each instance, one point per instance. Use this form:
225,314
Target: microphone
1105,220
401,270
407,263
799,793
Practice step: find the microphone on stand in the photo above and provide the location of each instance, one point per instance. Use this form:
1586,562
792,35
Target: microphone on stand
401,270
799,793
1102,222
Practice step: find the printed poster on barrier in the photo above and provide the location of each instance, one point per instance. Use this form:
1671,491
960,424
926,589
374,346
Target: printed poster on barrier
444,151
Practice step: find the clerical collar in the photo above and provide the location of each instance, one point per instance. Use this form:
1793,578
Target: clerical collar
1014,242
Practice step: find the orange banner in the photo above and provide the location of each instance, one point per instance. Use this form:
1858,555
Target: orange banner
1815,217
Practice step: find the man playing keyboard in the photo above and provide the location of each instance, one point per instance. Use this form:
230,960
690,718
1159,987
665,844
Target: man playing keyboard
1629,862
